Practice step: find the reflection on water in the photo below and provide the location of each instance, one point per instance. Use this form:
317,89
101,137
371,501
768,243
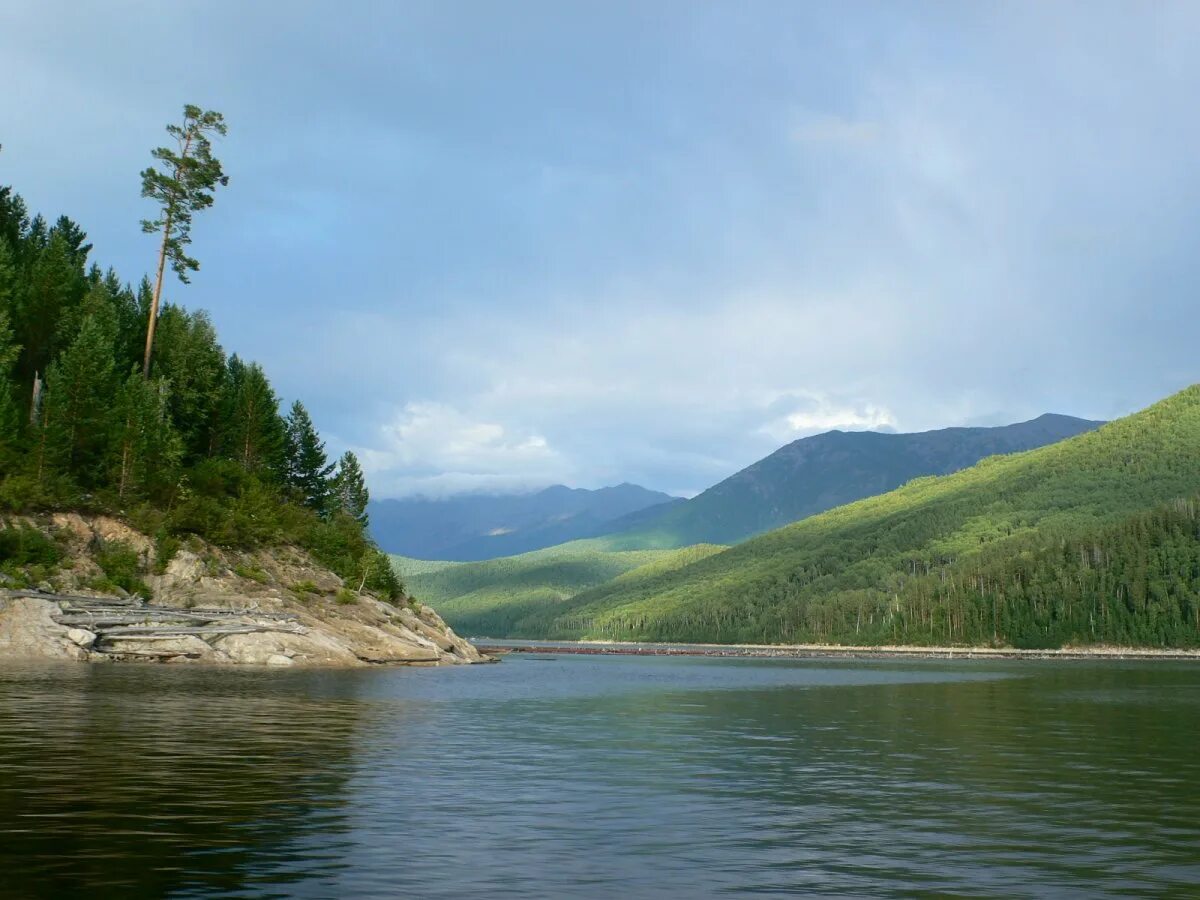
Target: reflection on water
586,776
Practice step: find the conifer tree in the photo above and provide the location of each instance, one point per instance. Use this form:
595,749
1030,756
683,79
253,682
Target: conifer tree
308,467
79,389
255,434
53,285
189,356
350,493
146,449
182,187
9,416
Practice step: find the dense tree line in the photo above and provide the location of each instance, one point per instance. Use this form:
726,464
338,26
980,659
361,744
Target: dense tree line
198,445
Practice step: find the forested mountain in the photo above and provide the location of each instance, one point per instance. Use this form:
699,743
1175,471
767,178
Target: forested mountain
1094,539
484,526
511,588
199,445
817,473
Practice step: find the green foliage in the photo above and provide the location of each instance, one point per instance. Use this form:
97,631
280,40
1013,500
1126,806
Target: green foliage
308,470
122,567
145,449
817,473
165,547
349,489
253,573
492,596
407,567
346,597
79,388
1084,541
305,587
184,184
199,449
21,545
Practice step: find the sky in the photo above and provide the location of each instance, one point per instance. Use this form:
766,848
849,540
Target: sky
498,245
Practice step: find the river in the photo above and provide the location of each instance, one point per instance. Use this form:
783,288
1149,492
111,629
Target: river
584,776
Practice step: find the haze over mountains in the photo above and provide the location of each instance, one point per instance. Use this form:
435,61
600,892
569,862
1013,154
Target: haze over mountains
803,478
484,526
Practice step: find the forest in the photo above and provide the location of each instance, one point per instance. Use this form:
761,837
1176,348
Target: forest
111,402
1092,540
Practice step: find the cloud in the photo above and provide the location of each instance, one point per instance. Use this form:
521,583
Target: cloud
815,414
505,261
433,449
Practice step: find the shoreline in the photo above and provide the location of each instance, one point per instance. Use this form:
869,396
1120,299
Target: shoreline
499,647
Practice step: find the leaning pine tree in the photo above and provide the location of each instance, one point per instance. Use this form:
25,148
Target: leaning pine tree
183,186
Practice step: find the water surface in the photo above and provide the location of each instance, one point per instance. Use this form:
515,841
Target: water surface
581,776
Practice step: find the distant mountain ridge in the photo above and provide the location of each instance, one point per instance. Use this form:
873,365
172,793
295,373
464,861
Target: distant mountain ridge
814,474
472,527
1091,540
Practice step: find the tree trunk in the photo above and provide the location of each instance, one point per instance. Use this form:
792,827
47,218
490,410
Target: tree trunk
162,264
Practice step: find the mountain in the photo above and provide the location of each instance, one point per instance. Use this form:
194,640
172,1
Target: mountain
817,473
1095,539
503,591
483,526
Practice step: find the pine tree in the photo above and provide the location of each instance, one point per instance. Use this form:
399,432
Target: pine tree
53,284
145,447
182,188
10,420
79,390
350,494
255,435
189,356
308,467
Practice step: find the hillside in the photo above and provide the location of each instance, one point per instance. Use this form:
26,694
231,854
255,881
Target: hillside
494,594
817,473
1087,540
484,526
76,587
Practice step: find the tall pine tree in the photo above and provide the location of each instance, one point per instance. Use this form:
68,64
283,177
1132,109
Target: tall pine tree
350,494
79,390
255,434
308,467
145,450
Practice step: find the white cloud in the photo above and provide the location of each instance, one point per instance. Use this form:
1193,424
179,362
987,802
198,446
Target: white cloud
433,448
818,413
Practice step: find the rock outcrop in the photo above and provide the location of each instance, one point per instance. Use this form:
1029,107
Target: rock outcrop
273,607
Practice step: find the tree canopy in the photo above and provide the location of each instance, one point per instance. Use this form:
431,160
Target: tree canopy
199,447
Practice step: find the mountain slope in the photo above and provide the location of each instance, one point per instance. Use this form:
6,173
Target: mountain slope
817,473
479,526
493,594
951,559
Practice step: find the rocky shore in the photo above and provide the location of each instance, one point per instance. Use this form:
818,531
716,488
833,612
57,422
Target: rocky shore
273,607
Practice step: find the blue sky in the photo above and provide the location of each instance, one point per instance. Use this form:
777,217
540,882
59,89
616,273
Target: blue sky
499,245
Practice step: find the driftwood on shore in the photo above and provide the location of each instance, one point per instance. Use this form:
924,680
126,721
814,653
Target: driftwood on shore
115,621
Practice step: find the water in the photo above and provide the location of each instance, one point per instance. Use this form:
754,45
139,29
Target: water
578,776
